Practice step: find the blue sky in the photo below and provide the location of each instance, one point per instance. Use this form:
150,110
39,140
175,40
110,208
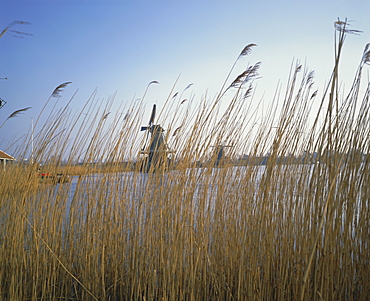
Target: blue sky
121,46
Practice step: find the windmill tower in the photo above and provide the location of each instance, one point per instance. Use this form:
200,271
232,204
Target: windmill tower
157,152
219,154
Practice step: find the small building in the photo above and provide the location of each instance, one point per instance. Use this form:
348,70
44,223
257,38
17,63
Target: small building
4,157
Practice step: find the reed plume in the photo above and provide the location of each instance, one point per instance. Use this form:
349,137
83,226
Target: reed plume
247,50
15,114
19,33
59,89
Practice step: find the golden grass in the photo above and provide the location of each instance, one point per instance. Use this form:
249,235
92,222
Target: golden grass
281,231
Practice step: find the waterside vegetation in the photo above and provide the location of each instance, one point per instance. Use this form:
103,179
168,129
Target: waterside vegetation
280,231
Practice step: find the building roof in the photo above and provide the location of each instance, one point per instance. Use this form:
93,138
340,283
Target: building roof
5,156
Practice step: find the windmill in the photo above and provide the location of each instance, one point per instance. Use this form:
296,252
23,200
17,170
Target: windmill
157,151
219,152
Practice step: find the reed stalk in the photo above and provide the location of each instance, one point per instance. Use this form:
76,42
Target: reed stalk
290,221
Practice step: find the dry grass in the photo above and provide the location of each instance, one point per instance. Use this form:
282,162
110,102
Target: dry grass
272,232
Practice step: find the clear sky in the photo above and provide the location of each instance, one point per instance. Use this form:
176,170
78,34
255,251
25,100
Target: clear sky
121,46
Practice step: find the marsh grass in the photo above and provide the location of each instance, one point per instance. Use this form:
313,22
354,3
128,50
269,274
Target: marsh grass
279,231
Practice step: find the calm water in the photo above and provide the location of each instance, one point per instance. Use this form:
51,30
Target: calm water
142,194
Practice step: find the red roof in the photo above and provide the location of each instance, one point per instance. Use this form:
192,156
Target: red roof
5,156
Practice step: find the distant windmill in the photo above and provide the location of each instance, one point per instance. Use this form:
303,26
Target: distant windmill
219,151
157,152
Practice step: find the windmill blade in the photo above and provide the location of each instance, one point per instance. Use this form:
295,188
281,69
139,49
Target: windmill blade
151,120
144,128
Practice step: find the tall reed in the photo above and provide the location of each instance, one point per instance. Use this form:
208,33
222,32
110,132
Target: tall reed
296,227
